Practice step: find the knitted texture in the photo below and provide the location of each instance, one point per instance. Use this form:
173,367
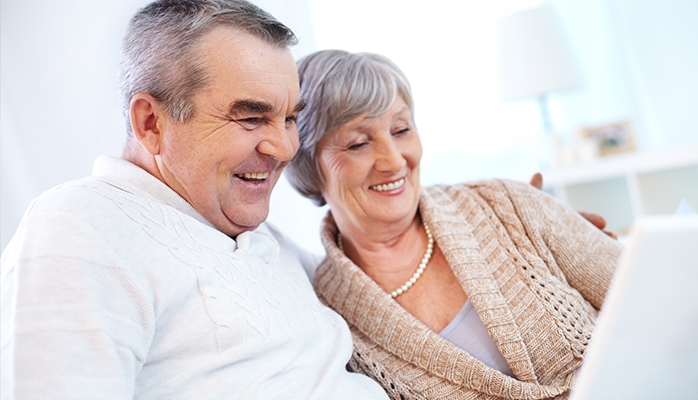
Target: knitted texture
535,271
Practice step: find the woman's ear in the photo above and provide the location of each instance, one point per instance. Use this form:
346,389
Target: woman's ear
147,117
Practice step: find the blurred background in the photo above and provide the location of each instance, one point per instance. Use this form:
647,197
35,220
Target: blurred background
608,114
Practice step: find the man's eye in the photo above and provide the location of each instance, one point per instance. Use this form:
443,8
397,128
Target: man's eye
401,131
291,119
250,123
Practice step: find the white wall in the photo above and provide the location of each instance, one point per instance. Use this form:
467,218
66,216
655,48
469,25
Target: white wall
660,55
59,107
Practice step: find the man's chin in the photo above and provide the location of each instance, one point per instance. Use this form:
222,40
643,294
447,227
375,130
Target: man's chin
243,223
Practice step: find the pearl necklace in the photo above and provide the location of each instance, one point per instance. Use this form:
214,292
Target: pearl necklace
422,265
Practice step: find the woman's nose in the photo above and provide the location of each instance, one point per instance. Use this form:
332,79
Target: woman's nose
388,156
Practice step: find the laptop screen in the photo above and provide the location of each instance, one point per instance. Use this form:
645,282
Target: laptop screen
645,344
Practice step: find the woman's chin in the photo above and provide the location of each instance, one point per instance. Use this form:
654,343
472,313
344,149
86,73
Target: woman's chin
393,214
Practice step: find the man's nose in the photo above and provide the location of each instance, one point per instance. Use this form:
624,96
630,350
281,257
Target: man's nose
279,142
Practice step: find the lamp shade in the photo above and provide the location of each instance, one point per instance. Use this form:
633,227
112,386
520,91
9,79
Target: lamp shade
535,56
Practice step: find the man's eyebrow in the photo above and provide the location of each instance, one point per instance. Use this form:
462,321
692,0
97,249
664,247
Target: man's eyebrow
300,106
249,106
258,107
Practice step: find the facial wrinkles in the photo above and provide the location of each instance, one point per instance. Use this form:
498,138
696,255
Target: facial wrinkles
346,171
268,125
265,87
171,162
209,118
268,117
233,121
331,164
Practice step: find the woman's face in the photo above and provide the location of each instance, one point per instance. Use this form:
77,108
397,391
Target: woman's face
371,168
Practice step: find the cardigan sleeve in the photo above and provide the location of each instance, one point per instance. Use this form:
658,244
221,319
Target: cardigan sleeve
569,244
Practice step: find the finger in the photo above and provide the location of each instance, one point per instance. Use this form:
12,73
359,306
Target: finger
595,219
611,234
537,181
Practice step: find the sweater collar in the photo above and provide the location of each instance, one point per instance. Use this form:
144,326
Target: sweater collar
131,178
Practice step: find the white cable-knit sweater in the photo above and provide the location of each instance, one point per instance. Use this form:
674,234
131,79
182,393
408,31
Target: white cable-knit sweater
115,287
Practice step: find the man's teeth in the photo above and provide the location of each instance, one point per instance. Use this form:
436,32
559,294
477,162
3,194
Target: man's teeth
254,175
388,186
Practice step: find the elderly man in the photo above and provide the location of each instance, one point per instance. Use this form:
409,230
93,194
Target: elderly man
156,277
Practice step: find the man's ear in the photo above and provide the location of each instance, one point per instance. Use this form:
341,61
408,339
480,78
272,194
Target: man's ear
147,120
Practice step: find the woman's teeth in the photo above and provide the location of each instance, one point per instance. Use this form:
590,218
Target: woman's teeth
388,186
254,175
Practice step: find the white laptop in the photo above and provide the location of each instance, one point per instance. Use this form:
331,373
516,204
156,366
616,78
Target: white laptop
645,344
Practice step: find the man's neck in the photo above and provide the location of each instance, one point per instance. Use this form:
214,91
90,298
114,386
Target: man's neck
135,153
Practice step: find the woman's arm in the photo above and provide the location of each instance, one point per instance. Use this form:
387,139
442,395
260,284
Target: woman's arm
595,219
571,245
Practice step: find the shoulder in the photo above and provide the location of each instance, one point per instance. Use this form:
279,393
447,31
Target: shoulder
69,217
70,212
481,186
493,199
92,218
489,190
84,196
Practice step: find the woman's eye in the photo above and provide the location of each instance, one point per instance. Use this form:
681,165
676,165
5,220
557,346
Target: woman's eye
401,131
357,146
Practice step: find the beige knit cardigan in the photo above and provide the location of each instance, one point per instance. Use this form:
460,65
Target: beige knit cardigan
535,271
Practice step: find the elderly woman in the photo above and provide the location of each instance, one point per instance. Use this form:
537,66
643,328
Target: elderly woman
485,290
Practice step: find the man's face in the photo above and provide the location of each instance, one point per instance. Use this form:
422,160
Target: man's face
226,160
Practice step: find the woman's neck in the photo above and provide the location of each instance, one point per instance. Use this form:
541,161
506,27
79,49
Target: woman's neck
387,253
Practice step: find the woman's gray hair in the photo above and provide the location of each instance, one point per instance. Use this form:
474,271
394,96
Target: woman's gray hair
159,52
337,87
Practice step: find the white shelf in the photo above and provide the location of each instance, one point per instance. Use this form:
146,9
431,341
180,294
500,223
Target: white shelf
625,186
621,165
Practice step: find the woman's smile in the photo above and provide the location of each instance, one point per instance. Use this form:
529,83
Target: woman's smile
385,187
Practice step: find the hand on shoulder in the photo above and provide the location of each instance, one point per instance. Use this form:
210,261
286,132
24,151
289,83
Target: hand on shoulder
595,219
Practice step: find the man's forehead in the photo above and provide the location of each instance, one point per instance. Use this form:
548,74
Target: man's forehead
248,74
230,49
225,36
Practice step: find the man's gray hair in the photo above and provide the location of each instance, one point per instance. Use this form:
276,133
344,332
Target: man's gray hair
159,53
337,87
